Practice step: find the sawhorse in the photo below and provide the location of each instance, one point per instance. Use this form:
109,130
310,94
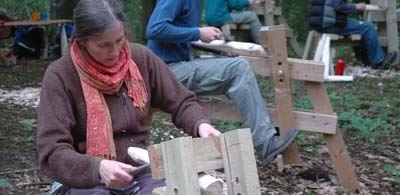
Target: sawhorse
273,61
269,13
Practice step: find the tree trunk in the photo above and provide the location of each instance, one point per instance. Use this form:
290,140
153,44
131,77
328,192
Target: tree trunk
148,6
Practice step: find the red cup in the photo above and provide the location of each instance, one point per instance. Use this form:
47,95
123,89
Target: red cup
340,64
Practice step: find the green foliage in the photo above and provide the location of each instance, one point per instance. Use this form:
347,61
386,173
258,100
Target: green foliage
133,11
393,170
28,124
3,182
367,128
296,14
303,103
24,8
225,125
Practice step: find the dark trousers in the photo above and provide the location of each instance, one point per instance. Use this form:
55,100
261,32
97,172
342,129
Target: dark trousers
143,184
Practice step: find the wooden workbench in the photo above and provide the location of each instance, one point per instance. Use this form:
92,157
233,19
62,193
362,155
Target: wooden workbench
63,35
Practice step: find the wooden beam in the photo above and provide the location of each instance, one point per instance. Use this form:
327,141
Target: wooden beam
275,39
306,70
156,165
304,120
336,147
208,152
392,33
239,162
37,23
179,161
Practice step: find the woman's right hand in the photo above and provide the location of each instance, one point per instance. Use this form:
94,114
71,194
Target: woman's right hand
115,174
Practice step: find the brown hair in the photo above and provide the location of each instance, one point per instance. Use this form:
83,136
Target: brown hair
93,17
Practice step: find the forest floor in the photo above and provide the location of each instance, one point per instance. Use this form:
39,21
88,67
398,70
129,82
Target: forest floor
368,109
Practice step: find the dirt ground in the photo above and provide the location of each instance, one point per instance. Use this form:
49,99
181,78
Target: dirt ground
377,164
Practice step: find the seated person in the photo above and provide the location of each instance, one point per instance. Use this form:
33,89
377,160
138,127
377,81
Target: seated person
172,27
94,102
331,17
220,12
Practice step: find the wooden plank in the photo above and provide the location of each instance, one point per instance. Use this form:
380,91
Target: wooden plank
156,161
240,163
380,16
304,120
307,47
208,153
336,147
239,48
239,26
179,162
392,28
269,13
306,70
63,41
37,23
275,37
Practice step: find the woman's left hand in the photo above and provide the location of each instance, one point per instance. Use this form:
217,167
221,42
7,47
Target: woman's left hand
206,130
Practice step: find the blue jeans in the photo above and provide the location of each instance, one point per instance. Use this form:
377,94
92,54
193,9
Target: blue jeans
248,17
372,50
232,77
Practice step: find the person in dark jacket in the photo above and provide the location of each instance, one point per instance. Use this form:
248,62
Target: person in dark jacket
220,12
331,16
94,102
172,27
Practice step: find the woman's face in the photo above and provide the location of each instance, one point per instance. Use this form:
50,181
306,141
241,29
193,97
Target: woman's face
105,47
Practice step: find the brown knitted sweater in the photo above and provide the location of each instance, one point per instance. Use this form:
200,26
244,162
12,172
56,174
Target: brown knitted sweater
62,117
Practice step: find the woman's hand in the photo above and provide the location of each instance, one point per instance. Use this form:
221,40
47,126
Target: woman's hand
115,174
206,130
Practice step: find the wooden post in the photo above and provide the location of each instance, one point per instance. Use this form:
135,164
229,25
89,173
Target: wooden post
392,33
273,38
181,177
269,6
336,147
45,53
63,40
238,155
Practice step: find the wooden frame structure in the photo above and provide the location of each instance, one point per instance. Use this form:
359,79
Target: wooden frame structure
269,13
273,61
387,18
381,12
180,160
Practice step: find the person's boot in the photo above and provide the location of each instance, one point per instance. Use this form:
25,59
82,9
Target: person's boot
386,62
275,146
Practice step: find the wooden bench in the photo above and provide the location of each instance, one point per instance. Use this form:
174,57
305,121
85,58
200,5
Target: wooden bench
268,13
272,61
323,46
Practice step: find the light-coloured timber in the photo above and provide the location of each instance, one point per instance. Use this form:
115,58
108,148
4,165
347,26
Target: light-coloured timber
304,120
232,151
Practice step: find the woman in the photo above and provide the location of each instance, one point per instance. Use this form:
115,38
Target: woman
94,101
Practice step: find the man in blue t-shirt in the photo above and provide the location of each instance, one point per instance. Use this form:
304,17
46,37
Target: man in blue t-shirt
172,27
